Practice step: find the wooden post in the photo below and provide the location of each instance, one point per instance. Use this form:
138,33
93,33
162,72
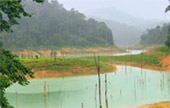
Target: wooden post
16,99
106,91
82,106
126,61
45,89
131,59
97,63
48,89
141,62
95,97
135,88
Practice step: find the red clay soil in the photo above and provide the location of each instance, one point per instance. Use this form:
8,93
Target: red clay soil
166,63
69,52
157,105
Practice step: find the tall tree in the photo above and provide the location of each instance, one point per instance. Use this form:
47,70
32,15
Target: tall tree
167,43
11,70
168,37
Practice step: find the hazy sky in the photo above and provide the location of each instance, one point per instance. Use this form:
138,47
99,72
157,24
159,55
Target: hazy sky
146,9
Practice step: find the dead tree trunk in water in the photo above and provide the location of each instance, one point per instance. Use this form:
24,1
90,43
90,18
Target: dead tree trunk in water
55,57
48,89
97,63
45,89
106,91
95,95
141,57
82,106
16,99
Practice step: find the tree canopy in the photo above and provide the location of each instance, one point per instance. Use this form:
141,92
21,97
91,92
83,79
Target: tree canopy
10,11
11,70
54,26
155,36
167,43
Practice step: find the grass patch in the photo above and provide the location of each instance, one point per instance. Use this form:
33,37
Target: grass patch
151,58
146,59
62,64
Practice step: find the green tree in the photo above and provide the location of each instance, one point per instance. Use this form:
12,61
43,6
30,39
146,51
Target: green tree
168,37
167,43
11,70
155,36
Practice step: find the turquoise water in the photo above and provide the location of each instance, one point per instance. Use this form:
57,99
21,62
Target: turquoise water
129,87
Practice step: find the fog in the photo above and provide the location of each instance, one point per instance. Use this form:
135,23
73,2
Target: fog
126,18
146,9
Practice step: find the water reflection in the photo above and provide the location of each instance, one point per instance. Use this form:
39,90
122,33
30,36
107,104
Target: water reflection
127,87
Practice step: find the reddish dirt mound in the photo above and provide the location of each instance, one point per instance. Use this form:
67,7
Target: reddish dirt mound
90,50
166,62
102,49
69,52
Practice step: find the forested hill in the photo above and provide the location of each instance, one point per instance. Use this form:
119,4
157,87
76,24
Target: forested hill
155,36
53,26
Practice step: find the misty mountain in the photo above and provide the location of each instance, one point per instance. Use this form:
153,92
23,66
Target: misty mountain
53,26
119,16
145,9
123,33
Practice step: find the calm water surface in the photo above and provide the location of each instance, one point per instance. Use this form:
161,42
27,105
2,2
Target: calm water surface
127,88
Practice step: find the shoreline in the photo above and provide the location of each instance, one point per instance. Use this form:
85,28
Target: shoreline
57,74
165,104
71,73
147,67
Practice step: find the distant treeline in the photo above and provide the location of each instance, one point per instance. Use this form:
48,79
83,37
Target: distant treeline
53,26
155,36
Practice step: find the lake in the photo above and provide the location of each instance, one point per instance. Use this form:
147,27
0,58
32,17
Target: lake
128,87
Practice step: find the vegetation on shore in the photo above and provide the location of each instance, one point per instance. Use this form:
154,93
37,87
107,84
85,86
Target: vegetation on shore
65,66
150,59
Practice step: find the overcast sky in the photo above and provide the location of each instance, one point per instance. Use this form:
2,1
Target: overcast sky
146,9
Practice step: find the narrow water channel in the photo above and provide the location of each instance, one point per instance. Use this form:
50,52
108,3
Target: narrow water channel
128,87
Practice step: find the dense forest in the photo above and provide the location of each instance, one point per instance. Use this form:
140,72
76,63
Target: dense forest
155,36
52,26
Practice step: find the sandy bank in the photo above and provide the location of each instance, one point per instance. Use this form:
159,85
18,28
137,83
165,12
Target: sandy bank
157,105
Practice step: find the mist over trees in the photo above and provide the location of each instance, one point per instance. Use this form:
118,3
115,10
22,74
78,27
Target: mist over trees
155,36
54,26
123,34
114,14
